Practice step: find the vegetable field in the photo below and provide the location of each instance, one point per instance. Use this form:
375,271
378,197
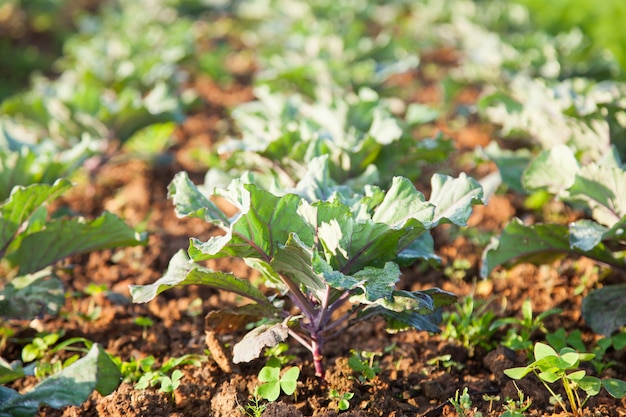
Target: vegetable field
312,208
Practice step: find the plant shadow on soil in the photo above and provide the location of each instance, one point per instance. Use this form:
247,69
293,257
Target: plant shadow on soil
408,385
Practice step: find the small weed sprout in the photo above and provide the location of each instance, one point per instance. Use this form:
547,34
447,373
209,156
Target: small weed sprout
364,364
519,336
255,407
463,404
471,324
145,323
343,399
517,408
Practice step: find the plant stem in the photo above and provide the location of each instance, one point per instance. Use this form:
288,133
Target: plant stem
570,396
318,357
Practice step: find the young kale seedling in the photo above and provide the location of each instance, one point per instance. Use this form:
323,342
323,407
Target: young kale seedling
323,255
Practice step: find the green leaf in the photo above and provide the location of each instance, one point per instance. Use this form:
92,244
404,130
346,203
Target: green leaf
518,373
553,170
294,260
264,222
270,376
511,164
522,243
548,376
591,385
604,309
189,201
22,203
71,386
61,238
577,375
32,295
453,198
182,271
615,387
586,234
603,189
542,351
289,380
151,139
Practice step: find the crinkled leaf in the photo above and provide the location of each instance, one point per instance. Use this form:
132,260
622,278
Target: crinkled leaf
71,386
265,222
182,271
453,198
294,260
22,203
522,243
401,203
553,170
65,237
253,343
604,189
378,283
604,309
32,295
189,201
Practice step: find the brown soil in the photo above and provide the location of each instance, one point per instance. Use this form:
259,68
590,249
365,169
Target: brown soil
412,382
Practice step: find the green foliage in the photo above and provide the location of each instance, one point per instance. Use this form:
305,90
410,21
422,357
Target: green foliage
71,386
145,374
550,366
472,324
320,254
519,336
358,134
595,187
602,24
560,339
31,241
273,380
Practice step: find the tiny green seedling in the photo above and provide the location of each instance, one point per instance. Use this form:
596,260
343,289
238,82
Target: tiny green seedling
471,324
165,376
519,336
254,408
273,382
516,408
550,366
343,399
145,323
365,364
463,404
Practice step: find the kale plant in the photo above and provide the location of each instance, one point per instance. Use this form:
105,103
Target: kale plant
323,255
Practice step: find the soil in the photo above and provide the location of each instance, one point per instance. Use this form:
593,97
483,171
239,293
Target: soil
413,380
